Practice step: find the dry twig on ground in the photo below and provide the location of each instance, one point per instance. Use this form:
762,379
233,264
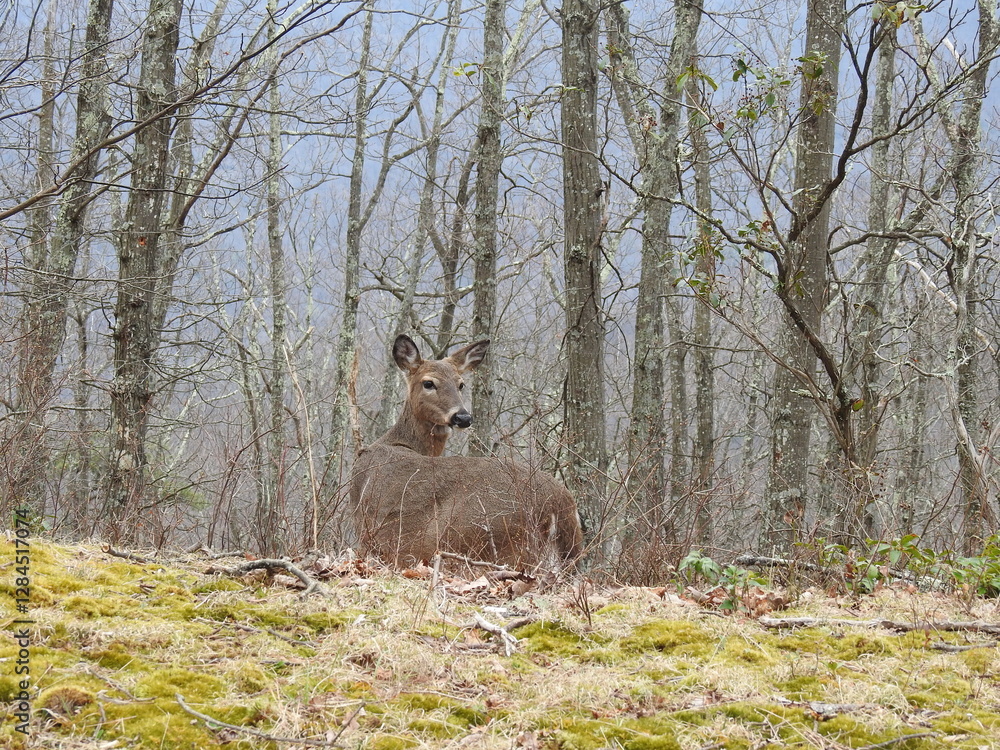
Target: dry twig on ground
310,583
977,626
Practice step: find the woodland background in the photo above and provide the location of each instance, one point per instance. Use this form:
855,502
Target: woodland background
738,263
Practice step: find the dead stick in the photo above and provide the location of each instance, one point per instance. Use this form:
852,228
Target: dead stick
241,570
263,735
509,641
109,550
904,738
977,626
950,648
470,561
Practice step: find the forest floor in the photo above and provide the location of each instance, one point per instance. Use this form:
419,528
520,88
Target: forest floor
125,654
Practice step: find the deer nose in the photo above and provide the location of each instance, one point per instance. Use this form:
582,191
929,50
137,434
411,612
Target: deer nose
461,419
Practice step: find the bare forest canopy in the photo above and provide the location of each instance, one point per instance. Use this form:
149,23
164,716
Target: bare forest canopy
737,261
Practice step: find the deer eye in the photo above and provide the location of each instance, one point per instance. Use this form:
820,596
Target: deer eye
461,386
429,385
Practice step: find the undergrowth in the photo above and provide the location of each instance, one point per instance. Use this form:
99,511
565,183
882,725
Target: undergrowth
119,649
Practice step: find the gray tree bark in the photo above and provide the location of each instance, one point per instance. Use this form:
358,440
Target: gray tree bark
802,278
583,190
654,133
54,260
138,265
490,160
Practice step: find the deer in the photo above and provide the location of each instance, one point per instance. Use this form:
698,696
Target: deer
411,503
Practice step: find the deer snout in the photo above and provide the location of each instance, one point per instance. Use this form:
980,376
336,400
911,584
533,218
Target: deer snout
461,419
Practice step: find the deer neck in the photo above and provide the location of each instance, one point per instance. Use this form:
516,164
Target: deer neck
418,435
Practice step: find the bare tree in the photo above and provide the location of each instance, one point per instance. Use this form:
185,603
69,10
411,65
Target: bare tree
654,132
55,257
802,274
138,259
583,219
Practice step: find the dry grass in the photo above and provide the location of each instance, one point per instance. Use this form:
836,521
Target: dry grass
383,662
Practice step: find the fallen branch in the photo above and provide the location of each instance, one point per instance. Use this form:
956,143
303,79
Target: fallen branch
263,735
897,740
469,561
130,556
755,561
952,648
251,629
977,626
268,564
509,641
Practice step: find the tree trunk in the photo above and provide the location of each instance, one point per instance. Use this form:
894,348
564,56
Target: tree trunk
138,263
490,160
701,329
964,351
584,430
654,134
54,264
802,282
270,516
347,341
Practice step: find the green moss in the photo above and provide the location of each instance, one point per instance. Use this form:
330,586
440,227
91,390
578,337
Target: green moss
855,645
155,725
60,583
424,701
249,678
745,713
436,728
90,608
589,734
116,656
65,700
807,640
165,683
218,583
677,637
652,742
740,651
325,622
967,721
550,638
9,688
391,742
979,661
939,690
244,612
802,688
454,712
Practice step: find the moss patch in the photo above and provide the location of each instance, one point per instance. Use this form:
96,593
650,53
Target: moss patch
115,643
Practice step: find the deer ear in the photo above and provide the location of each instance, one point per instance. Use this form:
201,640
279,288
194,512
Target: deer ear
406,354
468,358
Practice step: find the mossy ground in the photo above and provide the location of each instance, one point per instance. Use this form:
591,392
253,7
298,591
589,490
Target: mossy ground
391,667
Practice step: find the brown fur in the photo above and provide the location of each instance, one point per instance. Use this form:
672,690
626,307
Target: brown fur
410,502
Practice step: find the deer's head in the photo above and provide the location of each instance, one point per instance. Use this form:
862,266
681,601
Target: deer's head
435,387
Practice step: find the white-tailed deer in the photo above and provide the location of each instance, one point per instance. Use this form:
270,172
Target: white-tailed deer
410,502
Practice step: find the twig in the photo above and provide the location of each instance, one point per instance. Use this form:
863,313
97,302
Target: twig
755,561
951,648
904,738
470,561
903,627
251,629
263,735
207,552
109,550
267,564
509,641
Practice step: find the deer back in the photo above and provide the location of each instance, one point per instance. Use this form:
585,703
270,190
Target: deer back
410,502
